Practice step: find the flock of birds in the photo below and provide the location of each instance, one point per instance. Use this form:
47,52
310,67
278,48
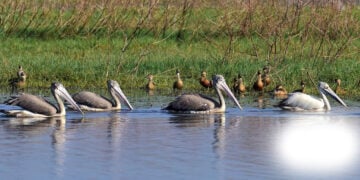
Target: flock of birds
35,106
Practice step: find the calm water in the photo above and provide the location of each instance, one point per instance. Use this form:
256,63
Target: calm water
147,143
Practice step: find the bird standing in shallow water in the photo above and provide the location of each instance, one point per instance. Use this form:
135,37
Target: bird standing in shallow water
266,76
239,86
198,103
178,84
259,84
338,89
20,81
89,101
34,106
204,81
302,102
150,84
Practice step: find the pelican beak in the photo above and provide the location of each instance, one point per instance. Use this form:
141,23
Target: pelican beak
122,96
327,90
227,90
61,91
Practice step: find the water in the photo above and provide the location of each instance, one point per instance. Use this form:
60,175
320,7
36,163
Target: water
147,143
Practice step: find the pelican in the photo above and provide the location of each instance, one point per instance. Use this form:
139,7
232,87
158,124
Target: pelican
178,84
150,85
258,85
302,102
204,81
34,106
89,101
198,103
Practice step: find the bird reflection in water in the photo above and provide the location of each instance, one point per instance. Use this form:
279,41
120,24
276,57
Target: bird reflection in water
205,120
198,120
59,142
37,126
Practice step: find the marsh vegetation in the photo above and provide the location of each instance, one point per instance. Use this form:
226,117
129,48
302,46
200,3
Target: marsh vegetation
83,43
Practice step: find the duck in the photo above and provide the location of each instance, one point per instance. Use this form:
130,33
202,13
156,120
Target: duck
150,84
19,82
204,81
259,84
239,86
178,84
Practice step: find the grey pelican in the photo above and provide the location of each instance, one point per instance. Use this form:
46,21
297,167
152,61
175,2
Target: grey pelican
34,106
302,102
89,101
198,103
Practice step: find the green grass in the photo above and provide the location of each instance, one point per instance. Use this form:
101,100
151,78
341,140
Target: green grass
89,62
84,48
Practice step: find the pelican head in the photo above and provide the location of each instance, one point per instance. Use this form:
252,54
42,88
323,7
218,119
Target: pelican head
57,89
114,88
324,88
220,84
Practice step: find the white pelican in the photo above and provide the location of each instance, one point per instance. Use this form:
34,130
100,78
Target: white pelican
89,101
34,106
302,102
198,103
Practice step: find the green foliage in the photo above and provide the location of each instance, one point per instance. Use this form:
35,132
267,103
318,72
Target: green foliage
84,43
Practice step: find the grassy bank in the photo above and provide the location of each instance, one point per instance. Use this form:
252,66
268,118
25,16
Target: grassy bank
84,43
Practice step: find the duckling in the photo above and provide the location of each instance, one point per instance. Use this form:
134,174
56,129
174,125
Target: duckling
259,84
178,84
204,81
150,85
302,89
20,81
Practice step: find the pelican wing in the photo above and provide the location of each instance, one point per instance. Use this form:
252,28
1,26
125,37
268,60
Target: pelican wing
300,101
91,100
192,102
33,104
